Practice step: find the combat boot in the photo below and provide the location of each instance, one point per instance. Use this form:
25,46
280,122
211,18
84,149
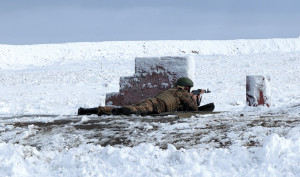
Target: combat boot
87,111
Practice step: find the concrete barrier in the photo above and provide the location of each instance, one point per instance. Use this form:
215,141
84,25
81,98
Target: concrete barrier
152,76
258,90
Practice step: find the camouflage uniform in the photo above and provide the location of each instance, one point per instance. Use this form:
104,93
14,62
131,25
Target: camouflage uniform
147,106
178,99
105,110
174,99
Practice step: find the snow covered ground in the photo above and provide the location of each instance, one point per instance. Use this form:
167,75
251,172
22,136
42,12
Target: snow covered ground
56,79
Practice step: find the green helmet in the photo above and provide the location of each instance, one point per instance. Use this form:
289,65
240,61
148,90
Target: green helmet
184,81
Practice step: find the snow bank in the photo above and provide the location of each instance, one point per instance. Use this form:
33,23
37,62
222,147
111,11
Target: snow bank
12,56
277,157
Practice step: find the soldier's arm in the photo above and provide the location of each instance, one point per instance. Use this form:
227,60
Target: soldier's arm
188,101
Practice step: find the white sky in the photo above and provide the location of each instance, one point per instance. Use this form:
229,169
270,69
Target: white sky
60,21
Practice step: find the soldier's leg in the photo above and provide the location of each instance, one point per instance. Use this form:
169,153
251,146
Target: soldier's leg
143,107
101,110
105,110
158,106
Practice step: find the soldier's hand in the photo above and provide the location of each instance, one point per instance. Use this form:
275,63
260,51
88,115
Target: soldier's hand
194,98
202,91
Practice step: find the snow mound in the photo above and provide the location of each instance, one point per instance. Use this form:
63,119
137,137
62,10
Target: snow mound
277,157
20,56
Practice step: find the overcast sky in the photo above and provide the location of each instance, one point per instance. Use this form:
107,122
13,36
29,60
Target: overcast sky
60,21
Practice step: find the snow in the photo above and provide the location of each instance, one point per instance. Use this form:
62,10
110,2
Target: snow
277,157
57,79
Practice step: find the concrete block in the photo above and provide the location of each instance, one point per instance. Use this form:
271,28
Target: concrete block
152,76
258,90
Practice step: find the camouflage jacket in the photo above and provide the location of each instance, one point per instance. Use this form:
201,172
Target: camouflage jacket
178,99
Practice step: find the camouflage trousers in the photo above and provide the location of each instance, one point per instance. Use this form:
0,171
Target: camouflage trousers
105,110
150,105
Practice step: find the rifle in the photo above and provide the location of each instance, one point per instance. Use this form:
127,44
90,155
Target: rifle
197,92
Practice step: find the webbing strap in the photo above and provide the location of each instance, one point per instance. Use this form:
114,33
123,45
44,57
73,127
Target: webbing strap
168,99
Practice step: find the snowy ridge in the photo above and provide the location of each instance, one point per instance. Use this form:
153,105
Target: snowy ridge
20,56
